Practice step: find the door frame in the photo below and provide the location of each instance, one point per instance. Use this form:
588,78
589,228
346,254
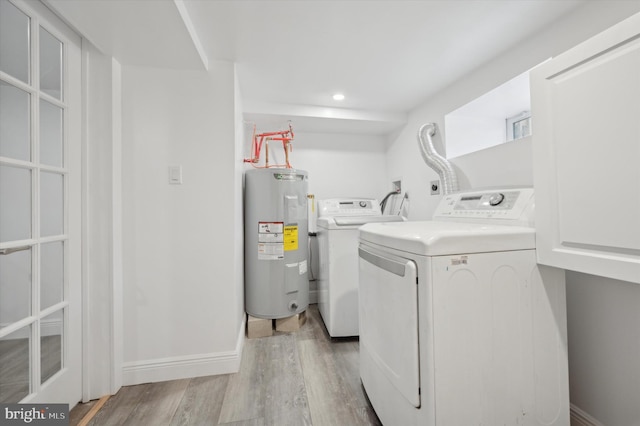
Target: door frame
102,266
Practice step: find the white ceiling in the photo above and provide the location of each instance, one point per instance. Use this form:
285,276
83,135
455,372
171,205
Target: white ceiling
387,57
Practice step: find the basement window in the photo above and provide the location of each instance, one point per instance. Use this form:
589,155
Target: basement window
499,116
518,126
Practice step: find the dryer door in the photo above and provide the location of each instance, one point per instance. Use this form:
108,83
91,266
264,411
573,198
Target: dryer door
389,321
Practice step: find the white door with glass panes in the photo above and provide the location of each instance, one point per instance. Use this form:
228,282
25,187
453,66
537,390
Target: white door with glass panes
40,209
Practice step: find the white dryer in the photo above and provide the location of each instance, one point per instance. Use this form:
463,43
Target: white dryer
458,324
338,223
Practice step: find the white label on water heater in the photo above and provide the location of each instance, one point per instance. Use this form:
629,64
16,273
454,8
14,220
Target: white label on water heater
268,251
302,267
270,227
270,240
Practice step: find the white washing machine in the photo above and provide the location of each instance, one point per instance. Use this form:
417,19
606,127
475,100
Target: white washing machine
458,324
338,223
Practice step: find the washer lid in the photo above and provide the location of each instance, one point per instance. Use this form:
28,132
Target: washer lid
432,238
353,222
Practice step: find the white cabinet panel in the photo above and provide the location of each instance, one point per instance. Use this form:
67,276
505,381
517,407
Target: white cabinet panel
586,143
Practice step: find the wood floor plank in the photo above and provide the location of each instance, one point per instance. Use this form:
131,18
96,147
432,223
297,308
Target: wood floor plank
158,404
250,422
347,361
244,398
329,400
202,401
314,327
286,399
270,385
119,407
339,358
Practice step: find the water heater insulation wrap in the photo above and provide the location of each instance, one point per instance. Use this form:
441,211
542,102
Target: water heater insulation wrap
275,237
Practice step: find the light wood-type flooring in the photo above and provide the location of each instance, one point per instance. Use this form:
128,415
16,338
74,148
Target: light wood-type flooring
301,378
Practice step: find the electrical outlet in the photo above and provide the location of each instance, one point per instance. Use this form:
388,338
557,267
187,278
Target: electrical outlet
435,187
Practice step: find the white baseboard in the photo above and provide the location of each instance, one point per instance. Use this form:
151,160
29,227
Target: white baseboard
582,418
183,367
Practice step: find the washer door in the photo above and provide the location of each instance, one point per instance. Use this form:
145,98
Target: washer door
389,320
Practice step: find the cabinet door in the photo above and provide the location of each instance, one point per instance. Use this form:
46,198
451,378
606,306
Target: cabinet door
586,118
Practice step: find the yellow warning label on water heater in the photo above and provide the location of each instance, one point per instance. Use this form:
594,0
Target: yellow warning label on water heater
290,238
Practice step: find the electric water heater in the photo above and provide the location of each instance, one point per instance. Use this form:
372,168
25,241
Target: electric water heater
275,242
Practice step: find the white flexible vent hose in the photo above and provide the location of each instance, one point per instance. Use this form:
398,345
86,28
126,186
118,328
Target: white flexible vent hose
436,161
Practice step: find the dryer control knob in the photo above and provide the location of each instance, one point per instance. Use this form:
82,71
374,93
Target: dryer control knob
496,199
363,204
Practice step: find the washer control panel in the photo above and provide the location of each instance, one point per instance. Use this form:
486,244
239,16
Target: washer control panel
505,204
348,207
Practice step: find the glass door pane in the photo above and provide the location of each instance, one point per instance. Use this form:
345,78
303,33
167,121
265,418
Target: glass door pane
51,274
14,41
51,204
50,134
51,328
15,123
50,64
15,208
15,285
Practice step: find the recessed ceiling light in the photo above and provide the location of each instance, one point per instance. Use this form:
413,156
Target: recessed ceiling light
338,97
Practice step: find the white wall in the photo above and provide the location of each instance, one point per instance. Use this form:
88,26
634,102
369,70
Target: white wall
341,165
508,164
481,131
180,255
596,385
604,348
238,204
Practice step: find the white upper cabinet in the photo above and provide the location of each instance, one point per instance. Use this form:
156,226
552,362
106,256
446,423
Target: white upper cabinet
586,144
